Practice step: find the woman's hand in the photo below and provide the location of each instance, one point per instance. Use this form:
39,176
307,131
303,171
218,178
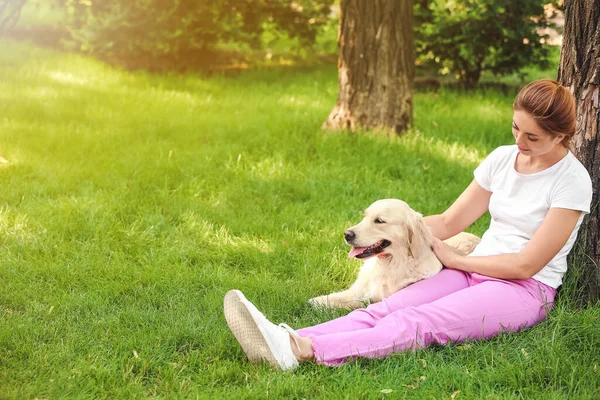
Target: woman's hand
446,254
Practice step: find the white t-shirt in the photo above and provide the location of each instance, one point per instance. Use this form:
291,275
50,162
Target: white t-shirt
519,203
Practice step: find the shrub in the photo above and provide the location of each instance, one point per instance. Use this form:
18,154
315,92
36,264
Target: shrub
468,37
152,29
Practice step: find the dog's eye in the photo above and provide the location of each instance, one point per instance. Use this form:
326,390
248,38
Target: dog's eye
379,221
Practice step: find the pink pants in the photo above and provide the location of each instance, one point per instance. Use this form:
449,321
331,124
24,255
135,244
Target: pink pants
450,306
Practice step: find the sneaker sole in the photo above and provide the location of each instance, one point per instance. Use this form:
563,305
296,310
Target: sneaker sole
245,330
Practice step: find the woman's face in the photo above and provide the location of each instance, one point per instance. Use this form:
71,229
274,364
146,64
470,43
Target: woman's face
530,138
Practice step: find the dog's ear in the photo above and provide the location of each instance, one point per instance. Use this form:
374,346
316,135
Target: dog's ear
419,237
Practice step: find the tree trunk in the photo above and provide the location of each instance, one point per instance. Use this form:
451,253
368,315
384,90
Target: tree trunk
10,11
579,70
376,66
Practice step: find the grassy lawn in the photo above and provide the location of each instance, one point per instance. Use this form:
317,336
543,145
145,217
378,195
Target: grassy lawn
133,202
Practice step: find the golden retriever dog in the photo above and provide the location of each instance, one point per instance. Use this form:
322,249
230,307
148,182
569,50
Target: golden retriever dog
395,243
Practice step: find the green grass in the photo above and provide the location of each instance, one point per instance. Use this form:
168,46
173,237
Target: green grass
133,202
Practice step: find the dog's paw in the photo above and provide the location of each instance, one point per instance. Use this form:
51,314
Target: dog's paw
319,302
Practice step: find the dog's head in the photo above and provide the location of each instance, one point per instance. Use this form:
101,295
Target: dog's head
389,227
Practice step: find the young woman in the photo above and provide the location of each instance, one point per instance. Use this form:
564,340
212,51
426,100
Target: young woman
537,193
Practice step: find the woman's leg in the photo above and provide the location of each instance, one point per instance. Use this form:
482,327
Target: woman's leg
478,312
442,284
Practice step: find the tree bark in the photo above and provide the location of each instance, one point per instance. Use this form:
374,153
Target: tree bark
579,70
376,66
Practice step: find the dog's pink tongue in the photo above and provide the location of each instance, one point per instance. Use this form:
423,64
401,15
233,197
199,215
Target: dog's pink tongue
355,251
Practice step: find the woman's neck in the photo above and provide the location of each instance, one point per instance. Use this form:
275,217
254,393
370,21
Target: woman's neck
533,164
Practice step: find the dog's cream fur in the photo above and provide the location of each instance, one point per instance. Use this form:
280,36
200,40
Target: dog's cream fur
406,260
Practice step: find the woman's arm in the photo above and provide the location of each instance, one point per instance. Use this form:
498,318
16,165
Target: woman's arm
545,244
469,206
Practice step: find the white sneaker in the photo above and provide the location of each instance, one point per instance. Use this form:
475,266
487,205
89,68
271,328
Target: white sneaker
260,339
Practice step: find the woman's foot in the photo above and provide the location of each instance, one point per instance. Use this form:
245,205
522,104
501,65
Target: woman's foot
302,348
260,339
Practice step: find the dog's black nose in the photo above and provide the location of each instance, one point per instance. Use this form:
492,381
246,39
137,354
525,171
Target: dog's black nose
349,235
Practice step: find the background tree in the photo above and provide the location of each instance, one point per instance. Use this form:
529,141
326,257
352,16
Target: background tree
579,70
10,10
376,66
465,38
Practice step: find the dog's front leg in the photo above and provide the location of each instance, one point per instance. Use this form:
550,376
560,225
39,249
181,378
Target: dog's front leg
346,299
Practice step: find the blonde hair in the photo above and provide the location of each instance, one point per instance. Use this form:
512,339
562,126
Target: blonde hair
552,107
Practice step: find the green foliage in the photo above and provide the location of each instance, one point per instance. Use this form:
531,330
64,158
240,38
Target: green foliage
467,37
184,28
